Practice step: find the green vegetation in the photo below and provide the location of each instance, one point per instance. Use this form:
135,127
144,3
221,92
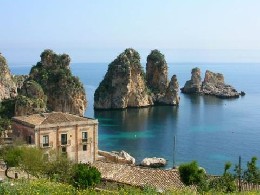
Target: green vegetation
85,176
156,57
191,174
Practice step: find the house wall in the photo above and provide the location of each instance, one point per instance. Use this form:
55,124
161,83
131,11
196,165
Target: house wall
21,131
74,148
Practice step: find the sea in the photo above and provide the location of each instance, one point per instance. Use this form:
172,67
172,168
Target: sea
206,129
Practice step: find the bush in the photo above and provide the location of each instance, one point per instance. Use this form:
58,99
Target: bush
85,176
191,173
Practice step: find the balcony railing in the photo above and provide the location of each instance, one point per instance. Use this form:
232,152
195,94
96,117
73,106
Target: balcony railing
46,145
86,141
64,143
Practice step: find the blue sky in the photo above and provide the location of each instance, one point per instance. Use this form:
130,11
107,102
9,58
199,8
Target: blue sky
97,31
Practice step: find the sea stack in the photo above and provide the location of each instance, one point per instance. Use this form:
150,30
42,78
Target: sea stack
213,84
8,87
52,87
124,84
194,84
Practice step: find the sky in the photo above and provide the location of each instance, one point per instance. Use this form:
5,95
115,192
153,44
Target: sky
99,30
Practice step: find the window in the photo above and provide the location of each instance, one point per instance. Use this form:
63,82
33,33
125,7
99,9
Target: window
84,136
84,147
29,139
45,140
63,139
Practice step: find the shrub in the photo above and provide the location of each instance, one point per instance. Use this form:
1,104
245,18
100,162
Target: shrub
85,176
191,173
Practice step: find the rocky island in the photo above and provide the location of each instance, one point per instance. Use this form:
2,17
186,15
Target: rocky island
213,84
126,84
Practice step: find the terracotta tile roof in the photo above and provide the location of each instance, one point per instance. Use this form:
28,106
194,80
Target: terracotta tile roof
49,118
160,179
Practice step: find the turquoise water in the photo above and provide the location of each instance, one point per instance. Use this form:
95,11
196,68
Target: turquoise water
209,130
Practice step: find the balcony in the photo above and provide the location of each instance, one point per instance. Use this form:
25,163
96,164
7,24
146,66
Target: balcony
86,141
46,145
65,143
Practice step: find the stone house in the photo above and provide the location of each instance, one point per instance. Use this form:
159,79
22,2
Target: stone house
74,136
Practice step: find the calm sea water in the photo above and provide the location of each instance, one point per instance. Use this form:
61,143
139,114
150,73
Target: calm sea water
209,130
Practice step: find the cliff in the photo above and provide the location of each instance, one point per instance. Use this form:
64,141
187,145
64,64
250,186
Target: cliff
213,84
124,84
51,86
8,87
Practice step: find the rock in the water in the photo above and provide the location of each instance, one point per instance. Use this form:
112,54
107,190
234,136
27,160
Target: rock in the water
65,92
117,157
193,85
153,162
8,87
156,72
213,84
171,96
124,84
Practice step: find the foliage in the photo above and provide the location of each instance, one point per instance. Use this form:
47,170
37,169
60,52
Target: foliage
191,173
85,176
58,168
7,108
252,174
225,183
157,57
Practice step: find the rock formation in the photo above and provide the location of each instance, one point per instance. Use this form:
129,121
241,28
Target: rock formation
194,84
213,84
125,84
153,162
8,87
121,157
52,78
31,99
156,72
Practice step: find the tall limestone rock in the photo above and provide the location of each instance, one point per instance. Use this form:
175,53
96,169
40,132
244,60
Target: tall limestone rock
8,87
156,72
163,92
124,84
194,84
64,92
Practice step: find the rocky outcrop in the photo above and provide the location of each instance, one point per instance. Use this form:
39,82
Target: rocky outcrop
8,87
121,157
153,162
156,72
213,84
51,86
194,84
171,96
31,99
125,84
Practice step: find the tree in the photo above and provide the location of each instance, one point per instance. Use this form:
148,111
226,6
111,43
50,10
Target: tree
85,176
252,174
11,156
